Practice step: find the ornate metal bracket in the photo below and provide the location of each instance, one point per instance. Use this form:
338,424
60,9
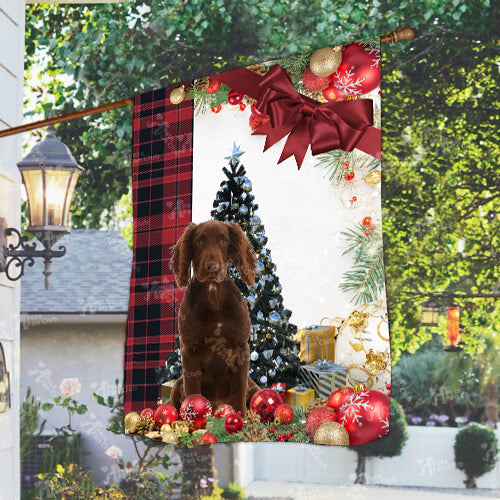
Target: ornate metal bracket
22,253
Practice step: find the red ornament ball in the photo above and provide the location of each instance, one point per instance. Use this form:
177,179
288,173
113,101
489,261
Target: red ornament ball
367,232
243,106
208,438
257,121
222,411
359,72
213,86
349,176
165,414
285,413
288,435
264,403
313,82
338,397
317,417
148,413
195,410
365,416
233,423
216,109
271,430
234,97
332,93
388,387
367,221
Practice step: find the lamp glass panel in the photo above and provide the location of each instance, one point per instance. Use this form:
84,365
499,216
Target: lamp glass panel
34,191
71,191
55,194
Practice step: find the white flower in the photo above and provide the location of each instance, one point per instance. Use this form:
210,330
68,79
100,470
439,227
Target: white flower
114,452
70,386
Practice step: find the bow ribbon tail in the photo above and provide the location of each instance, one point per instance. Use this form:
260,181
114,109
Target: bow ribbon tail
297,142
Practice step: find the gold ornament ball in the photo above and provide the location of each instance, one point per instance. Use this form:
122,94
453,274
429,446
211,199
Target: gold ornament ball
180,427
170,437
177,95
373,178
332,434
130,422
359,388
325,61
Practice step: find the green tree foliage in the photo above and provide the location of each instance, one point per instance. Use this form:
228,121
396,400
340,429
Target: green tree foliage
476,452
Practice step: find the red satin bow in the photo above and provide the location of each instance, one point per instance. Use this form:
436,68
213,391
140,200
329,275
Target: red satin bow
324,126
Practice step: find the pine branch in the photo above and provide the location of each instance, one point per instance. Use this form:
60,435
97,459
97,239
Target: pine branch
371,41
295,65
204,102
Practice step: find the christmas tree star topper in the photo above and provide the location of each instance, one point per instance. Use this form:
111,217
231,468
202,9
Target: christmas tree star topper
234,154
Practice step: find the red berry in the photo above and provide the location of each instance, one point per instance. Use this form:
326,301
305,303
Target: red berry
281,436
367,232
373,226
389,393
354,198
243,106
271,429
349,176
216,109
288,435
388,387
367,221
346,163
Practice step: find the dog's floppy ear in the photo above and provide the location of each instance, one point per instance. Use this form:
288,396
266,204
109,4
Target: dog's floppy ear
241,252
182,257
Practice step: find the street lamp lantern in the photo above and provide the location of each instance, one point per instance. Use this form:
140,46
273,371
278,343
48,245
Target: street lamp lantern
50,173
453,328
429,313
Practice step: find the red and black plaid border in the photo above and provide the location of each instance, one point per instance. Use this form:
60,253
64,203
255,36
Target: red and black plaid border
162,171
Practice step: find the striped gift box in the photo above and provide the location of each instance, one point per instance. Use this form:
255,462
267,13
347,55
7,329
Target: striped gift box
323,376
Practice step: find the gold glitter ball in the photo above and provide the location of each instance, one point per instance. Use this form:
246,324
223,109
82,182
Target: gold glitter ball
165,428
177,95
325,61
332,434
373,178
131,420
375,362
180,427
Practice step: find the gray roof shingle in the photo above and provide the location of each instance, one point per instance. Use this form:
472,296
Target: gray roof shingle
92,278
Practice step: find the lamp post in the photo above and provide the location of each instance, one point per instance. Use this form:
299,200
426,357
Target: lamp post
429,315
50,173
453,328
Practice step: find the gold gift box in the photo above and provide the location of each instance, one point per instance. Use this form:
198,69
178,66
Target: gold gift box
299,396
166,389
317,342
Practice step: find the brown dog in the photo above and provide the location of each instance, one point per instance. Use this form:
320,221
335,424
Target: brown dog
214,324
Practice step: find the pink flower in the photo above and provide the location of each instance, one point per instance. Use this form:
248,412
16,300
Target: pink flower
70,386
114,452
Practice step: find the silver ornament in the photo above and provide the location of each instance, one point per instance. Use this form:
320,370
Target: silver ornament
274,318
247,185
268,354
263,379
243,210
254,356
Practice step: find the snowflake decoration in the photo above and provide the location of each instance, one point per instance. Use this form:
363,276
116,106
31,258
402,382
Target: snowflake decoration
384,429
346,83
352,407
190,414
375,53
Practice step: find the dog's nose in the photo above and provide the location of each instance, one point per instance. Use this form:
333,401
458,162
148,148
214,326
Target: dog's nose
212,266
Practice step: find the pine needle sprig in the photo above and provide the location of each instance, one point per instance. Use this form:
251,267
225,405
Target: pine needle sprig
371,41
366,278
203,102
295,65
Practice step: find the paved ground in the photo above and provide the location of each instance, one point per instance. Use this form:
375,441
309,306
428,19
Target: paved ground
276,490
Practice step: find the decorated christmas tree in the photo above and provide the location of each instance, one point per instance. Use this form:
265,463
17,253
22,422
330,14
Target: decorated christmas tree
273,352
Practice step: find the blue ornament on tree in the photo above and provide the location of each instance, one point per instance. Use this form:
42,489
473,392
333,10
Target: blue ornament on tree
268,354
255,220
260,267
251,300
247,185
260,316
243,210
254,356
275,318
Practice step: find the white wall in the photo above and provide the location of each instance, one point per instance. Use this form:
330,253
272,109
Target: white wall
427,460
11,88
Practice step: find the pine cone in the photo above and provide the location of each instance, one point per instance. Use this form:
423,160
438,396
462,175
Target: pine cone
195,442
252,417
315,404
257,68
254,432
201,84
144,425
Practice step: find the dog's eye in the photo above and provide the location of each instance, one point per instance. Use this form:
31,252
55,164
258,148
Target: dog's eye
199,242
223,242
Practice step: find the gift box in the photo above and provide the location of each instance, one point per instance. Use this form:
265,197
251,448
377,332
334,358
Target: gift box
279,387
323,376
317,342
299,396
166,389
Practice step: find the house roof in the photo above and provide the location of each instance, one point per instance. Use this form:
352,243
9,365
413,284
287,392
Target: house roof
92,278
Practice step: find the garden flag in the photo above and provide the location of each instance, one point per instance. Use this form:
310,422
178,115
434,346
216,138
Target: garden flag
257,297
